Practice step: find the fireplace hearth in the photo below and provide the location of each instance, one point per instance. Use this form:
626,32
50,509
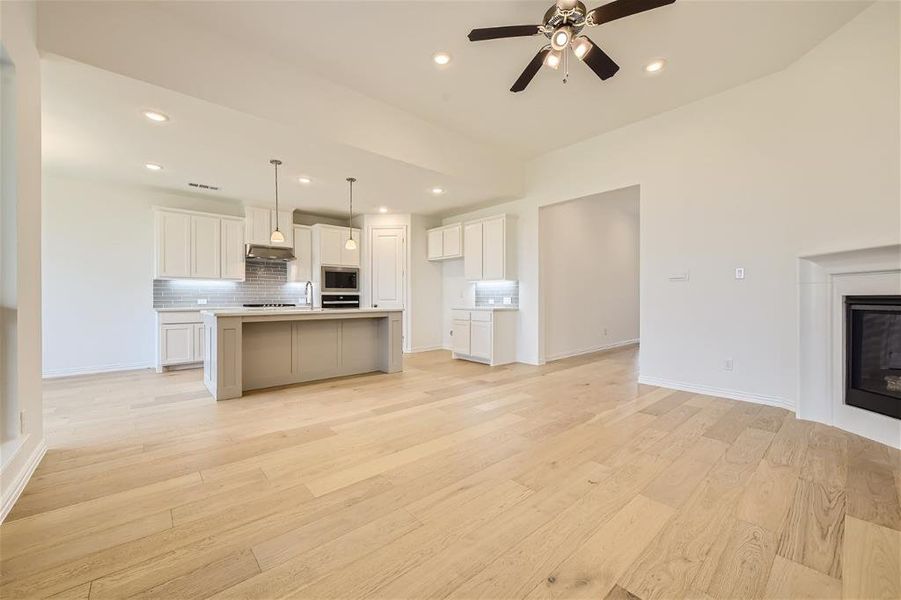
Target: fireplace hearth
873,353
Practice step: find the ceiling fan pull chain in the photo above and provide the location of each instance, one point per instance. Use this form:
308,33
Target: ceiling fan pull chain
565,66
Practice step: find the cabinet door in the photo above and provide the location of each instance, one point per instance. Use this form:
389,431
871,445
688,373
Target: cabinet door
177,343
472,251
451,241
436,244
205,247
480,339
494,248
461,337
301,268
350,258
232,253
258,225
198,342
285,225
173,244
330,246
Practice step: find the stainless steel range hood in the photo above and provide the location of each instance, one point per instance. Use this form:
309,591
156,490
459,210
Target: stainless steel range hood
260,252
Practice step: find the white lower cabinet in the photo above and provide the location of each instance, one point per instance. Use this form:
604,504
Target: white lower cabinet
486,336
180,338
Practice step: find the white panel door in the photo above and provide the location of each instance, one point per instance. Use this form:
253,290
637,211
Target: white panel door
388,257
205,247
258,225
301,268
173,244
461,337
480,339
177,343
350,258
286,226
451,241
436,244
472,251
232,233
494,247
330,245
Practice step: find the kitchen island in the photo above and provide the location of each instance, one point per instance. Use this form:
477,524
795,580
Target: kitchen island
249,349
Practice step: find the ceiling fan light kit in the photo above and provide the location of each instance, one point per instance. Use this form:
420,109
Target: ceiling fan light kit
562,24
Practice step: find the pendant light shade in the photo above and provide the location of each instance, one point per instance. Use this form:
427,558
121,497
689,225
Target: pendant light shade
351,244
277,236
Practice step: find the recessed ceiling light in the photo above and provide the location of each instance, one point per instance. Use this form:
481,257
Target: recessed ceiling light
437,190
383,209
156,117
441,58
655,66
304,179
153,167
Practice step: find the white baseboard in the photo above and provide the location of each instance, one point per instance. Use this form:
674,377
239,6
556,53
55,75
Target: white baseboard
21,479
590,350
428,349
69,372
715,391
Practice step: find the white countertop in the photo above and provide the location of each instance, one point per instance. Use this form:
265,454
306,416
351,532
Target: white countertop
293,312
488,307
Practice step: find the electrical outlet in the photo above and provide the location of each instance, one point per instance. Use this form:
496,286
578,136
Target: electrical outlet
490,300
727,364
739,272
201,301
508,300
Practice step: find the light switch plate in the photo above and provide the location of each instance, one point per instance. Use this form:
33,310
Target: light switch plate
739,272
490,300
508,300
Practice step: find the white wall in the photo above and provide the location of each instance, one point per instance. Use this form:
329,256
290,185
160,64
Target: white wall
98,272
426,288
801,162
589,272
21,455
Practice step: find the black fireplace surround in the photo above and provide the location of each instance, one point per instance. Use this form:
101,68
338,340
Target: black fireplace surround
873,353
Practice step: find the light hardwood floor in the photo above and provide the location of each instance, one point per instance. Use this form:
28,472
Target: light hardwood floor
450,479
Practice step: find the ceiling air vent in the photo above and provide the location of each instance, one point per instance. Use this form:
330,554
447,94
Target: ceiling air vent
203,186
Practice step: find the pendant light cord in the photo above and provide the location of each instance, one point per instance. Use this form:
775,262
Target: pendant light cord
350,216
275,162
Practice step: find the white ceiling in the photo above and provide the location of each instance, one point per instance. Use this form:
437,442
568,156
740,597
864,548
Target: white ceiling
93,127
384,50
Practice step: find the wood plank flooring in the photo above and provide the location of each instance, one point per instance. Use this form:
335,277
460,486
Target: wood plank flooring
449,480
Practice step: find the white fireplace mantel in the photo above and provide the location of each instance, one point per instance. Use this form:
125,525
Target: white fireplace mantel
823,281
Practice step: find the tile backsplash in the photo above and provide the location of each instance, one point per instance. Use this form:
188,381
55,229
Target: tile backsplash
486,291
265,281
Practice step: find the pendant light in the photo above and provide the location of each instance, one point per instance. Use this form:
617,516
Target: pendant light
277,236
351,244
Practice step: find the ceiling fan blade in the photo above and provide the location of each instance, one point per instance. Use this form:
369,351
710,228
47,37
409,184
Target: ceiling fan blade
526,77
622,8
493,33
599,62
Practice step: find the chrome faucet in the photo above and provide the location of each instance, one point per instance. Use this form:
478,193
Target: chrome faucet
308,292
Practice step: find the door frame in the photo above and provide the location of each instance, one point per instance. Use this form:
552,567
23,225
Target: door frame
405,284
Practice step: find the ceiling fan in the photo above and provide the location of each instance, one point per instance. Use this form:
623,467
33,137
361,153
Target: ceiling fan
562,25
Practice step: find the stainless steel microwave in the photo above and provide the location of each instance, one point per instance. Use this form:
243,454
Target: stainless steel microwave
340,279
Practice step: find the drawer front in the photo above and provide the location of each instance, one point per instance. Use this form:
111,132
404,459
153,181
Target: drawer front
481,315
460,315
188,316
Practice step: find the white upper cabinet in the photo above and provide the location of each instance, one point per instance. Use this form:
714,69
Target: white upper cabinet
232,252
489,250
205,247
328,246
261,222
198,245
173,244
445,242
301,268
472,251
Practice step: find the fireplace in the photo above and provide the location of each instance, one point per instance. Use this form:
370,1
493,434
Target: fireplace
873,353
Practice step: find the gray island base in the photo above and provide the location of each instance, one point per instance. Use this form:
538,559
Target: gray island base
247,349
